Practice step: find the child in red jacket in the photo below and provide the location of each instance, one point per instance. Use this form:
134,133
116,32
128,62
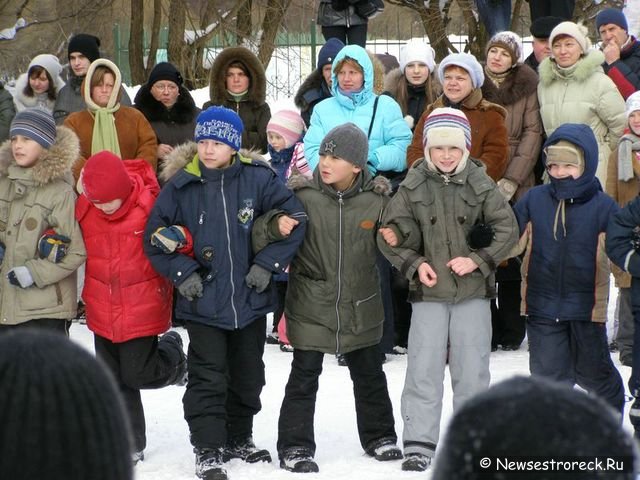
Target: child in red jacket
127,302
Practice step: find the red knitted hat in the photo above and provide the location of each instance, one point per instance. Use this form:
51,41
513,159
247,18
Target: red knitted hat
105,179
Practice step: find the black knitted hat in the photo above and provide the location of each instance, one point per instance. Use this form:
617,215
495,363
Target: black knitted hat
529,417
61,415
164,71
86,44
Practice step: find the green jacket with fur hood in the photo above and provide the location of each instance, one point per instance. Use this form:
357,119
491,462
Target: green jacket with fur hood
333,302
33,200
583,93
432,215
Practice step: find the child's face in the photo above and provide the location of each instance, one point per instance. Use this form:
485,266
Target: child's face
109,208
25,151
446,159
563,170
416,73
276,141
215,154
337,172
634,122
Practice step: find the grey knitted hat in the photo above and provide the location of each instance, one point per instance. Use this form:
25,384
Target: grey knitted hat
348,142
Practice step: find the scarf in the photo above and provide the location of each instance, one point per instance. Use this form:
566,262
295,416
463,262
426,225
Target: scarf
629,143
496,78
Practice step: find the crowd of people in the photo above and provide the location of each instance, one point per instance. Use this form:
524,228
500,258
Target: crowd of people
442,210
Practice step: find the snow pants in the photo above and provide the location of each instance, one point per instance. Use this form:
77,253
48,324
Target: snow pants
141,363
226,376
374,412
466,326
575,352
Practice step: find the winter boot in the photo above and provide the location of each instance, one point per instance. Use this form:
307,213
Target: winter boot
137,457
634,412
341,360
298,460
384,449
272,339
246,451
174,338
286,347
416,462
209,464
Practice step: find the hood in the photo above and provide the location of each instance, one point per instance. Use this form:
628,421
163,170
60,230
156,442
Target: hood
313,88
217,84
184,110
585,67
116,94
582,136
55,162
361,56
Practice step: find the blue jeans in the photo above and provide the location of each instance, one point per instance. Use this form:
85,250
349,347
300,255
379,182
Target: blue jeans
495,14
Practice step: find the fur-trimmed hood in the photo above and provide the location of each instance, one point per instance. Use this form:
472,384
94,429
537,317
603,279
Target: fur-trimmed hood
392,82
182,112
183,154
55,163
586,66
521,82
314,82
258,80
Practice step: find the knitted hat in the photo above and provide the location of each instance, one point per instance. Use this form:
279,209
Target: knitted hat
62,417
535,418
447,127
219,124
329,51
86,44
417,51
632,104
541,27
465,61
576,31
164,71
565,153
36,124
511,42
50,63
611,15
348,142
105,179
288,124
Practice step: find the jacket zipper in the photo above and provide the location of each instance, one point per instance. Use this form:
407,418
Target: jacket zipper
339,294
233,286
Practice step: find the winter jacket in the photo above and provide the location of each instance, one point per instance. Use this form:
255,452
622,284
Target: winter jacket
620,238
33,200
173,126
69,99
312,91
417,97
518,95
532,62
135,136
218,207
625,72
41,100
252,109
432,215
328,17
489,142
7,112
333,302
125,297
390,134
583,94
565,271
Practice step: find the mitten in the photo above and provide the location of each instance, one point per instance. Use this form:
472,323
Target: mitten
507,188
258,278
480,236
173,238
52,246
191,287
20,277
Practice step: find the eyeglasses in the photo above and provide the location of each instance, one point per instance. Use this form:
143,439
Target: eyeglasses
161,87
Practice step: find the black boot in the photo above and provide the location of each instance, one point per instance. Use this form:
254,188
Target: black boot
246,451
209,464
298,460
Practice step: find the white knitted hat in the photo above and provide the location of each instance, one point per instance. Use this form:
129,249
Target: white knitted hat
417,51
576,31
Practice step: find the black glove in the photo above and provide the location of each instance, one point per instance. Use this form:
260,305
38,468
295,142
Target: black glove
480,236
258,278
191,287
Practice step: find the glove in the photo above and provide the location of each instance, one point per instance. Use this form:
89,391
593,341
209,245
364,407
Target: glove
191,287
172,238
258,278
52,246
20,277
507,188
480,236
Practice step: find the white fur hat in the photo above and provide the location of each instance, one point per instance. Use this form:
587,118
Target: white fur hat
417,51
632,104
576,31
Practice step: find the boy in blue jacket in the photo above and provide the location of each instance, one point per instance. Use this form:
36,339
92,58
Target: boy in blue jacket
565,270
215,193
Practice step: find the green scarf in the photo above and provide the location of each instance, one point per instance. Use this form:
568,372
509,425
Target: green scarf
105,135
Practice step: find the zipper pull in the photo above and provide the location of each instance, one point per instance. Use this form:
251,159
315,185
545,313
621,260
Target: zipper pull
201,218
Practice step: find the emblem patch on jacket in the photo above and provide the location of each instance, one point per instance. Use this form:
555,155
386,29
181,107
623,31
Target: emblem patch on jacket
245,214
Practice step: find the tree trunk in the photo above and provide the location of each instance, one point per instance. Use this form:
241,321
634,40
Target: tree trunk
177,21
155,37
243,22
136,42
273,17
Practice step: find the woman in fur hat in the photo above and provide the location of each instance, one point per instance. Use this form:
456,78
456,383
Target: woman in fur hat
39,86
573,88
238,82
